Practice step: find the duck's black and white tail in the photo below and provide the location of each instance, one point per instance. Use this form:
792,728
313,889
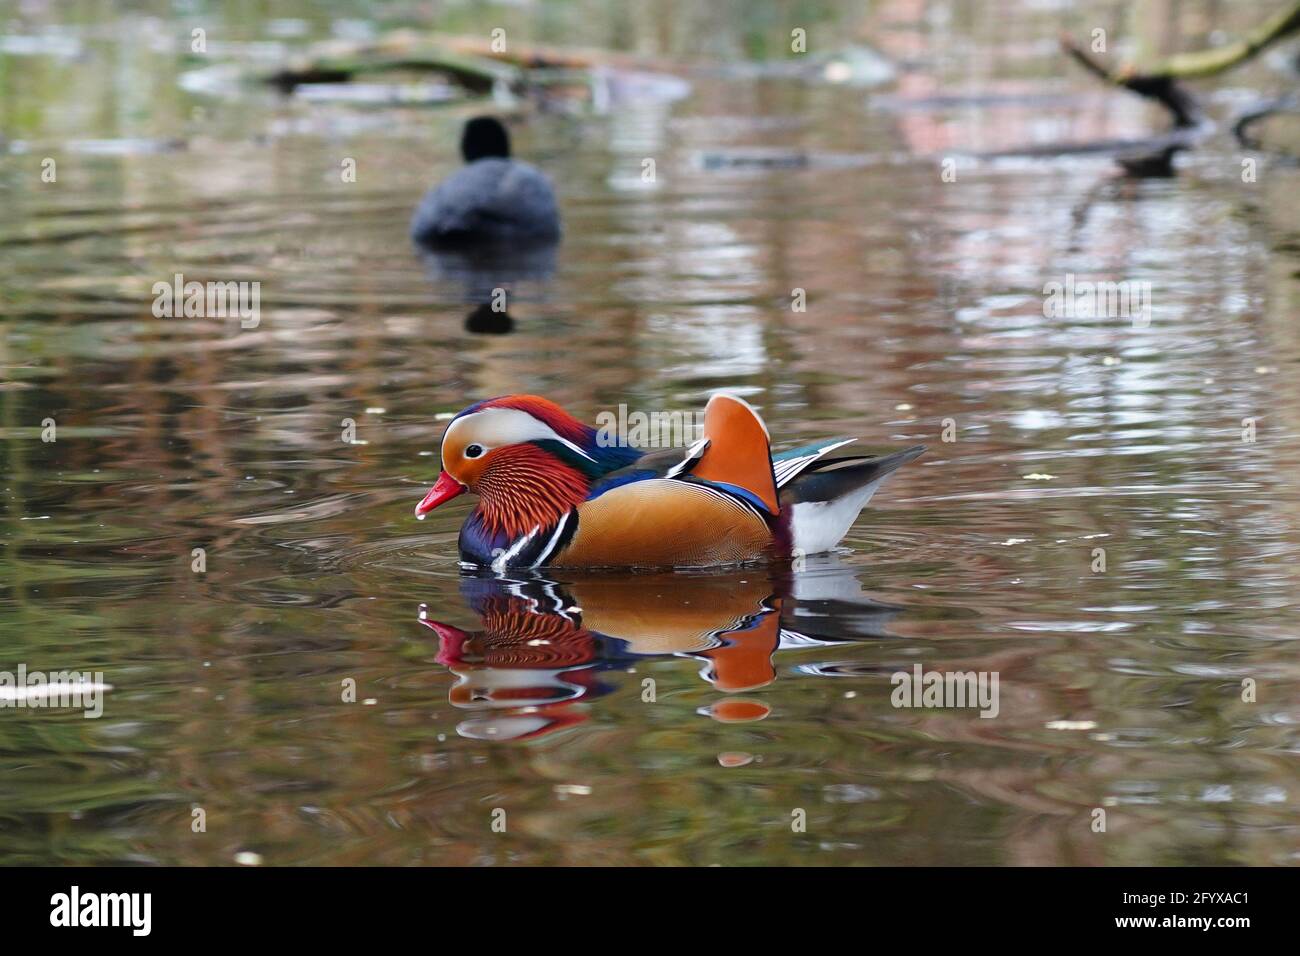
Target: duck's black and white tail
826,496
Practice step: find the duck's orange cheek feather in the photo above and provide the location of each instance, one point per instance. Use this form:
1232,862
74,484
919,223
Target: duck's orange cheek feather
469,471
522,487
465,470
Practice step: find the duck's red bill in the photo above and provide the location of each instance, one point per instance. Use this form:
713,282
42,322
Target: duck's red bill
446,489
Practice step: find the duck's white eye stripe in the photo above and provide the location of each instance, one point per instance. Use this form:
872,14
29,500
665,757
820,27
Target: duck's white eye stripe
495,427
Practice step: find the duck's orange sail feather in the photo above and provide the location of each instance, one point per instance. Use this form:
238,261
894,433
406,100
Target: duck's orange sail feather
739,452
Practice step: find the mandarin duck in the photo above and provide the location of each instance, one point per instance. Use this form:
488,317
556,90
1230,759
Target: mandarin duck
554,493
492,198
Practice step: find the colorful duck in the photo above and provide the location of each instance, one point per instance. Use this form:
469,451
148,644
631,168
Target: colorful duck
493,198
554,492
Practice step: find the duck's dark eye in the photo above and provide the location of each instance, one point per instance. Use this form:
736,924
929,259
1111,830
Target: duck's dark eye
473,451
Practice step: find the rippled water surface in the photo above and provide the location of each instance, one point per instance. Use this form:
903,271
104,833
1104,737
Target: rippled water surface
1076,442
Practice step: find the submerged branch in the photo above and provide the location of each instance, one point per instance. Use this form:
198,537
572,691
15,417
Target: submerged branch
1247,118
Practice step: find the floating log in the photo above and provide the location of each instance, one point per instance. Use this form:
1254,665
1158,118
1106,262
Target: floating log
394,55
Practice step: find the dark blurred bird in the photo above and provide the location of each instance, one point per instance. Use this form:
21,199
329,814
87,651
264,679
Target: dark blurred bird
493,198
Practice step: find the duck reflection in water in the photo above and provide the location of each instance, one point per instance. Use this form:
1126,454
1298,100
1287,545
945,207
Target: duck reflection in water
543,646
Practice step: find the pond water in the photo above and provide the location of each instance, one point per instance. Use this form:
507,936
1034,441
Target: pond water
1108,516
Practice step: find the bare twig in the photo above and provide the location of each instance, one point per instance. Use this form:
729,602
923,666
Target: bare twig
1161,88
1202,63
